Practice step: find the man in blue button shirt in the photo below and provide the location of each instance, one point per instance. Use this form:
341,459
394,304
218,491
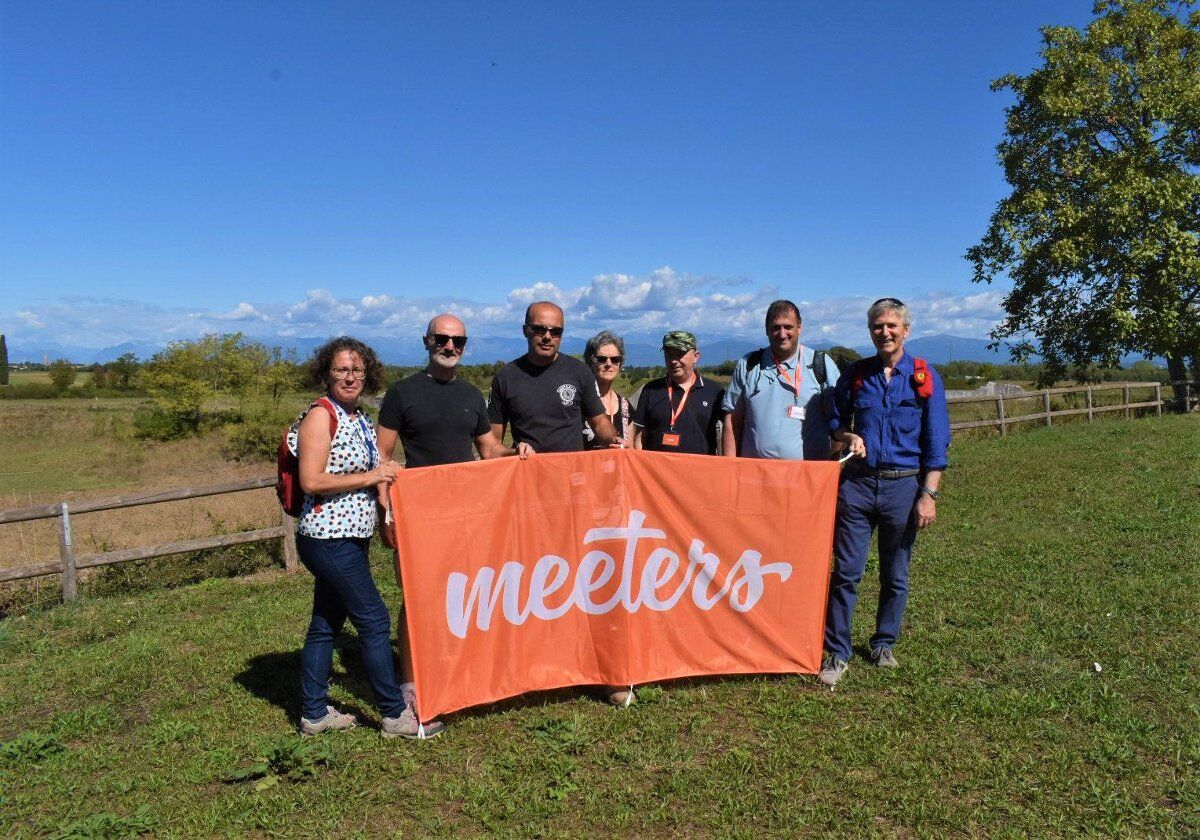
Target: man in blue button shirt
776,402
890,411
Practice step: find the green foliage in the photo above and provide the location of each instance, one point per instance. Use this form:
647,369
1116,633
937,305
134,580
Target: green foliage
257,436
157,424
98,378
108,826
294,759
30,749
1099,235
122,372
62,374
30,391
843,356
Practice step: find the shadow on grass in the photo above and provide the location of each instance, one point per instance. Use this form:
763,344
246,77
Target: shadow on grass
275,677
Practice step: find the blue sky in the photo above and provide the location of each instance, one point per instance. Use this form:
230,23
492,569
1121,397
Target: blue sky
170,168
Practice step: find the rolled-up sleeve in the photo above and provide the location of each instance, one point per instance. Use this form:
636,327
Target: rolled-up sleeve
737,387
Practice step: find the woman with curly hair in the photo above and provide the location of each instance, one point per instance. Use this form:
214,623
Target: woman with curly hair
340,468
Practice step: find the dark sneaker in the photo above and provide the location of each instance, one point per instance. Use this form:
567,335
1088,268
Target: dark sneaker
407,726
832,670
882,657
620,695
332,722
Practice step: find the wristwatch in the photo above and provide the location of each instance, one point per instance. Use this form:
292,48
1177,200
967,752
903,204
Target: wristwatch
933,494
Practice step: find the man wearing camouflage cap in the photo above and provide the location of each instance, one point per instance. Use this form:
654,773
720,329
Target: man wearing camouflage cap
680,412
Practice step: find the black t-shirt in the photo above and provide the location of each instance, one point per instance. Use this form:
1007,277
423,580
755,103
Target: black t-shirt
545,405
696,424
437,421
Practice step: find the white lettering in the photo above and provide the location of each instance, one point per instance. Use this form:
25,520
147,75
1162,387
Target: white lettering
743,587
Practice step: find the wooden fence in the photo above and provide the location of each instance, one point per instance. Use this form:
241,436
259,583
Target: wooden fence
69,564
1005,419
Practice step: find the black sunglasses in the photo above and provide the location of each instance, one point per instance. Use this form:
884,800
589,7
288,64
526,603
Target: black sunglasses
441,339
616,360
542,329
889,302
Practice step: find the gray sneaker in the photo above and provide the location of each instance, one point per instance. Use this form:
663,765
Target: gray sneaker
832,670
407,726
332,722
882,658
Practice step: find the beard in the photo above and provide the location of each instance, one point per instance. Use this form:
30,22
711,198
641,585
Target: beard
444,362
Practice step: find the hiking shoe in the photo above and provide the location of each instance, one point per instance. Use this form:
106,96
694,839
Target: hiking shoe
407,726
621,696
832,670
332,722
882,657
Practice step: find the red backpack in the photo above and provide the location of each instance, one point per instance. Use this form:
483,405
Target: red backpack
287,482
922,381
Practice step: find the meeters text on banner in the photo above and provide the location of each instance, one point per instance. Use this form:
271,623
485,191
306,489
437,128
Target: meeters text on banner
610,567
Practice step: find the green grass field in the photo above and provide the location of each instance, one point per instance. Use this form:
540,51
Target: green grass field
1055,549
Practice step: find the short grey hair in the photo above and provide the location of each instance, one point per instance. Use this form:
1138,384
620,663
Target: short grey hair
889,304
599,340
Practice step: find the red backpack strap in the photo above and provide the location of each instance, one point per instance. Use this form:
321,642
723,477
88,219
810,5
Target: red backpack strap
922,379
333,414
858,372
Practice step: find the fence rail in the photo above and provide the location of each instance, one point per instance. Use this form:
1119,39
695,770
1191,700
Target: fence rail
69,564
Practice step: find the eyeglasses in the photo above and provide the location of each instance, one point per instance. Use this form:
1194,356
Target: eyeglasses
345,373
889,302
441,340
609,360
542,329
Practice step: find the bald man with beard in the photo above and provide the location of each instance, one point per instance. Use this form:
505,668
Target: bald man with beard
437,417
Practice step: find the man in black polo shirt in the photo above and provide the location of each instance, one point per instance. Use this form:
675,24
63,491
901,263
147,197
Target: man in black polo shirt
437,416
679,412
544,395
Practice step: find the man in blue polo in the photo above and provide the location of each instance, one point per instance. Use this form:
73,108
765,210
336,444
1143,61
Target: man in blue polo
890,411
775,406
680,412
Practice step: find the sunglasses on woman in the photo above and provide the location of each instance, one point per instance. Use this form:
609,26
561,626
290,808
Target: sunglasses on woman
609,360
441,340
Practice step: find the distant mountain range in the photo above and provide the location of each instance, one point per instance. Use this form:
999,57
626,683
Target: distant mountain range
640,349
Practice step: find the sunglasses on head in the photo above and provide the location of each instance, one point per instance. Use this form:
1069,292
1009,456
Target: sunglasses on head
542,329
889,301
614,360
441,340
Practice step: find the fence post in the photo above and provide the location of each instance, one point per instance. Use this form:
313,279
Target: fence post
1000,414
70,579
1089,403
1128,410
1158,398
291,557
1046,406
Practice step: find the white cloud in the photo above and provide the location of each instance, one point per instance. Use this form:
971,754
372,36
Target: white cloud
628,304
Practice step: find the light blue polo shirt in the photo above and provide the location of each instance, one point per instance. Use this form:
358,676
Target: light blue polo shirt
767,430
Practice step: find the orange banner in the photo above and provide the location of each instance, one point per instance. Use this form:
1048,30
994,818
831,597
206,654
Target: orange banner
610,567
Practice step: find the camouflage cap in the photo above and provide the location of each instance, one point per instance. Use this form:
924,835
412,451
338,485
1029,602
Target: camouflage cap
679,340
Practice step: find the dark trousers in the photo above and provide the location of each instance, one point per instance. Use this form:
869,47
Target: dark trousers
864,504
345,589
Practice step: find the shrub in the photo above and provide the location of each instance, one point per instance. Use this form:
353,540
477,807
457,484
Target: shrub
257,437
156,424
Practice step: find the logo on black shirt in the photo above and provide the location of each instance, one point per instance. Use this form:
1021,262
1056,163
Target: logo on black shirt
566,393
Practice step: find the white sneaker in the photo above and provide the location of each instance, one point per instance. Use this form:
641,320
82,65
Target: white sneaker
832,670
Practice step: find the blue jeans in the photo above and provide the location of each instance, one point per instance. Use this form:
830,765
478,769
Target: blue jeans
345,589
864,504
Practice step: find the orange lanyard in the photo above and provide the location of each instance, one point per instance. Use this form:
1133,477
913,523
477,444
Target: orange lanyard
687,392
794,383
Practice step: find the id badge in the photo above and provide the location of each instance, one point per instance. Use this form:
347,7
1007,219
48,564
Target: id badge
796,412
669,439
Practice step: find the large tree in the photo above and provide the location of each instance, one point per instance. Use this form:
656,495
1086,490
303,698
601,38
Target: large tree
1101,233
